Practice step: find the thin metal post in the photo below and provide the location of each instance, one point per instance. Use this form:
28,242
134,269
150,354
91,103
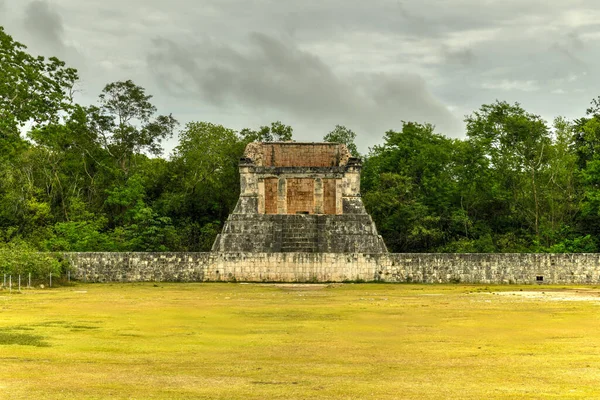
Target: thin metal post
29,282
50,279
69,275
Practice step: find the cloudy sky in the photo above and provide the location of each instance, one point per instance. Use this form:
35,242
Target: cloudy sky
315,64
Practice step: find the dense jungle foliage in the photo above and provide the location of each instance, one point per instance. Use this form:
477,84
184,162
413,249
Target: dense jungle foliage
75,177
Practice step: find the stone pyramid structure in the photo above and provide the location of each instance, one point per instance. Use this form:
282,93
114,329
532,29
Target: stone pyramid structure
299,198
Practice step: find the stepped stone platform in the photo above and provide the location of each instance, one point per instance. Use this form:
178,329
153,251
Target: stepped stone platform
299,198
351,233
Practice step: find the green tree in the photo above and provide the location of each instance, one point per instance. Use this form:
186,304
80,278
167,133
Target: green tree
586,136
205,181
563,194
125,123
138,226
34,91
409,188
31,89
343,135
517,145
70,162
277,132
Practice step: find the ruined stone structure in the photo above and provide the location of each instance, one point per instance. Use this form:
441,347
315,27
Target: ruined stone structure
502,268
300,218
299,198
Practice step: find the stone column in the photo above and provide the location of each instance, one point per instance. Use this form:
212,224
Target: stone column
339,204
318,196
351,202
282,196
261,196
248,201
351,184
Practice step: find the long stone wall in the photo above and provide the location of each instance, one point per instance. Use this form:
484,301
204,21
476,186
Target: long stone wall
292,267
138,267
491,268
337,267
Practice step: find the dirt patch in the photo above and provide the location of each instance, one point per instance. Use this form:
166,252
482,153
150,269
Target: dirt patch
556,294
299,286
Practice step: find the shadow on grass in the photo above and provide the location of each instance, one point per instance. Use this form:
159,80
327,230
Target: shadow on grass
22,339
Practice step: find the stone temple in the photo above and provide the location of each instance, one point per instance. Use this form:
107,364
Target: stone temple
300,218
299,198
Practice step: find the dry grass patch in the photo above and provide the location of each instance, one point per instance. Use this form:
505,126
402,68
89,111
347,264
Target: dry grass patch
250,341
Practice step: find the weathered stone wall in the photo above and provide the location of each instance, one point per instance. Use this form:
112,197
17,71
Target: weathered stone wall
491,268
300,155
337,267
271,195
138,267
300,195
292,267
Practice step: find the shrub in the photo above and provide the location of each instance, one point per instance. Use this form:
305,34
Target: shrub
21,259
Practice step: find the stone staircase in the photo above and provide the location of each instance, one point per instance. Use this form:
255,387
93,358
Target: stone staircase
300,234
352,233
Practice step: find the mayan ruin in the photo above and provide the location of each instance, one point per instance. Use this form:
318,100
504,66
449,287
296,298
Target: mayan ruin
299,197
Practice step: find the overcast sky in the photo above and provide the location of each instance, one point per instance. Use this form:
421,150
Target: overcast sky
315,64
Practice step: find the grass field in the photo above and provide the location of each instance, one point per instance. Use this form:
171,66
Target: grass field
248,341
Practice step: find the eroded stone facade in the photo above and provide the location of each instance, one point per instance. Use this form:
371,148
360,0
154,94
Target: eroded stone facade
503,268
299,197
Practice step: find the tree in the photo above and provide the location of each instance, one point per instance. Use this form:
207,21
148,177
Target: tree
33,91
206,151
586,137
343,135
277,132
139,226
125,124
31,88
517,145
206,187
409,188
563,194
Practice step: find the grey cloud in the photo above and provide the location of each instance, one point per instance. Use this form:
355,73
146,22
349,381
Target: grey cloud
277,74
575,41
569,46
415,22
363,64
433,18
44,23
3,12
464,57
568,54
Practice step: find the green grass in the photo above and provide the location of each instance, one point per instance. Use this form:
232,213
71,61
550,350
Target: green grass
351,341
